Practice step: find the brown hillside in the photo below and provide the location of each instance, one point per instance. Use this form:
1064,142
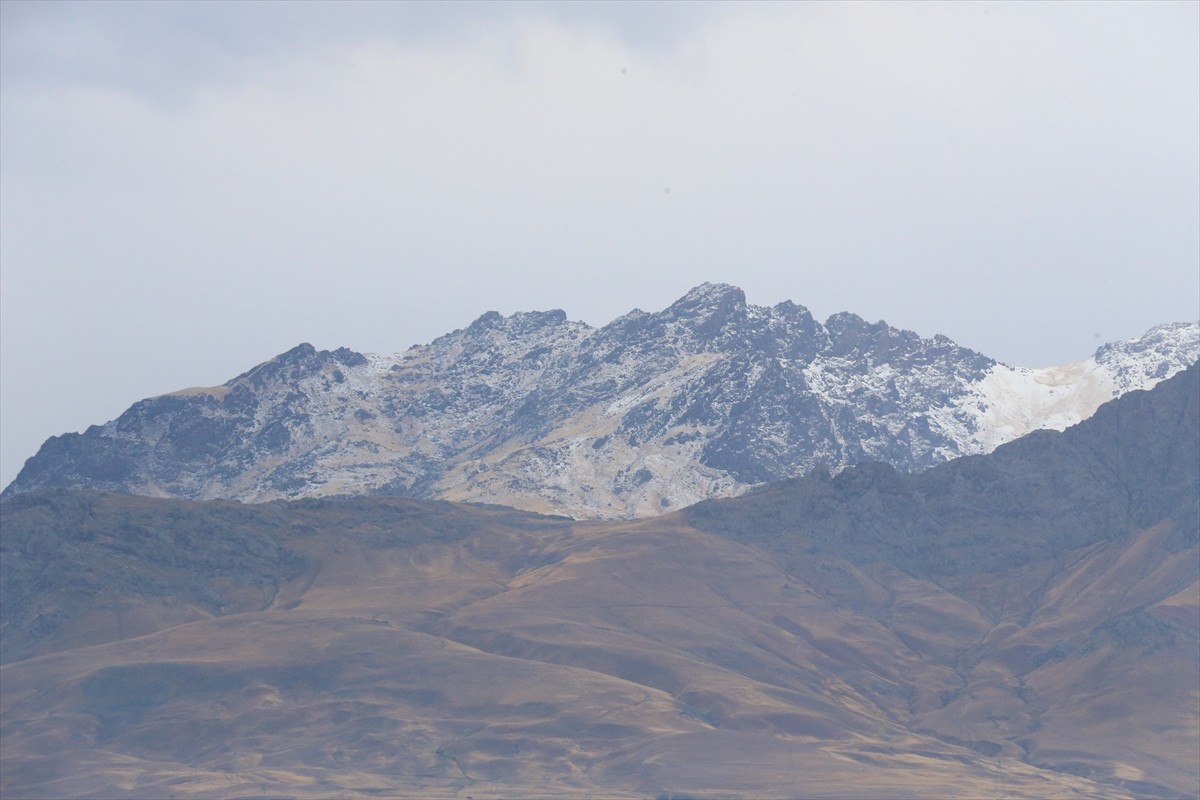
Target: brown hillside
416,649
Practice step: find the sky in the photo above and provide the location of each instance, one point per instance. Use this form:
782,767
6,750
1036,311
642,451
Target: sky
188,189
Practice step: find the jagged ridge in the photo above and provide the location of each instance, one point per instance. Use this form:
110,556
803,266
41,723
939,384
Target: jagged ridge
649,413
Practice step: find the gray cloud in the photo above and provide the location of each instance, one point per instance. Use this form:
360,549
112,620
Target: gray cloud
189,189
166,51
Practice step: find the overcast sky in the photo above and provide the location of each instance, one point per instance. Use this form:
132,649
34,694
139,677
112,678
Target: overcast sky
188,189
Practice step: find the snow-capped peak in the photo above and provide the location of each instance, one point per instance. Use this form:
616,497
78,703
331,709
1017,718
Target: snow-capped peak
649,413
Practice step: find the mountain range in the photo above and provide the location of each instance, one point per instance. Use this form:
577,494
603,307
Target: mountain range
1023,623
648,414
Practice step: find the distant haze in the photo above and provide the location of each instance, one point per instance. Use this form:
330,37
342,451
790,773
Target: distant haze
191,188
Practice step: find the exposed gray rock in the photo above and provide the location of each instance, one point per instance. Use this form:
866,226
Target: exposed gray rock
652,412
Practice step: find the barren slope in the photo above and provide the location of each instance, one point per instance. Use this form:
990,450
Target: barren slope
490,655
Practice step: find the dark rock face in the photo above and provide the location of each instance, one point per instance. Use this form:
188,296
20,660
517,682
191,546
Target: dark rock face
708,397
1132,465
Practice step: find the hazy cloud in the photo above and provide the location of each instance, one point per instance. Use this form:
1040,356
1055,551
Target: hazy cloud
190,188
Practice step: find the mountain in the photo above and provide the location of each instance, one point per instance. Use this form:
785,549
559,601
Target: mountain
1022,624
650,413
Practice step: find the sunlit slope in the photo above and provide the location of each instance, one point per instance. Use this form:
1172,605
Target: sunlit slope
633,659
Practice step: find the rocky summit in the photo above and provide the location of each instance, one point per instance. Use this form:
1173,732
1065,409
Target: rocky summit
650,413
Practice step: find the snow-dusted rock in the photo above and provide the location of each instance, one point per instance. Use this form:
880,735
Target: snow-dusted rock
649,413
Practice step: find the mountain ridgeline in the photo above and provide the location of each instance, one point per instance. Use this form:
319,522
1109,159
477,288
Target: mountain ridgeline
648,414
